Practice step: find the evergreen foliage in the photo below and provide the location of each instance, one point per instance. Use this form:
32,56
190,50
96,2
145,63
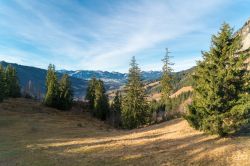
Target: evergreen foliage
9,84
178,100
115,114
155,108
117,103
101,105
134,105
12,88
65,93
182,78
52,88
221,91
2,94
58,95
166,79
90,95
97,99
169,110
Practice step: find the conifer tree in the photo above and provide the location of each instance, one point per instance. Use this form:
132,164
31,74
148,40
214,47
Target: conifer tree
65,93
50,75
134,107
2,94
90,95
116,105
7,82
52,88
12,88
116,109
166,80
101,105
221,91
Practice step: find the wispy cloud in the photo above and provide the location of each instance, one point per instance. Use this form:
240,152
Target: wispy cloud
77,35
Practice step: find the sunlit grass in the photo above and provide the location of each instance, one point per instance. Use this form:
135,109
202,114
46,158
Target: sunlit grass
43,136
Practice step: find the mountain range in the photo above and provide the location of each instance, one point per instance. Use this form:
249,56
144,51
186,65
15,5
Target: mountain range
114,78
79,79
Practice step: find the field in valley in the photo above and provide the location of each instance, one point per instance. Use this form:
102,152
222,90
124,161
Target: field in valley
31,134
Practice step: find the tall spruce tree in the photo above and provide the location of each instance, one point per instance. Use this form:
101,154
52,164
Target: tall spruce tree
52,88
166,79
65,93
90,95
221,102
2,93
12,87
134,106
101,105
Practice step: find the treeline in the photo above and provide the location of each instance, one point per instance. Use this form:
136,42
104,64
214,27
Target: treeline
127,111
9,84
59,94
97,99
161,111
221,101
130,109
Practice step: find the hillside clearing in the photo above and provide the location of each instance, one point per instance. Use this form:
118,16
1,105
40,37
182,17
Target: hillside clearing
31,134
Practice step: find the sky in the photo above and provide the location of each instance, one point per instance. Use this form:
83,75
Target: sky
105,34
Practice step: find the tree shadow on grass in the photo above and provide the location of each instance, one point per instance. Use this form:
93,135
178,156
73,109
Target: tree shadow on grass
152,150
144,146
244,132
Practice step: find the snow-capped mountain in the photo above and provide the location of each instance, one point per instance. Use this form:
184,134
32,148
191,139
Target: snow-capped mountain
110,77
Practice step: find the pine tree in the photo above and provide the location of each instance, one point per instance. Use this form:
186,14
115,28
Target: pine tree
221,92
52,88
101,105
65,93
2,94
134,107
12,88
166,80
90,95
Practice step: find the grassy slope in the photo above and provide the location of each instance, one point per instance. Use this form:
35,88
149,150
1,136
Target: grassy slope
31,134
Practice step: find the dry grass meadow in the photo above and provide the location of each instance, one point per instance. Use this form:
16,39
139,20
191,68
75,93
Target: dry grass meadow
31,134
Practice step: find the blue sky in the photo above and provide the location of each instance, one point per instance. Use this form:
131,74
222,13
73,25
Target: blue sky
105,34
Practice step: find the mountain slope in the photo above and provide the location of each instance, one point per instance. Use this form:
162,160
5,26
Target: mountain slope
37,76
244,32
79,79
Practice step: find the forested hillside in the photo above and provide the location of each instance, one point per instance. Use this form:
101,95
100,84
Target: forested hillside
79,79
37,77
